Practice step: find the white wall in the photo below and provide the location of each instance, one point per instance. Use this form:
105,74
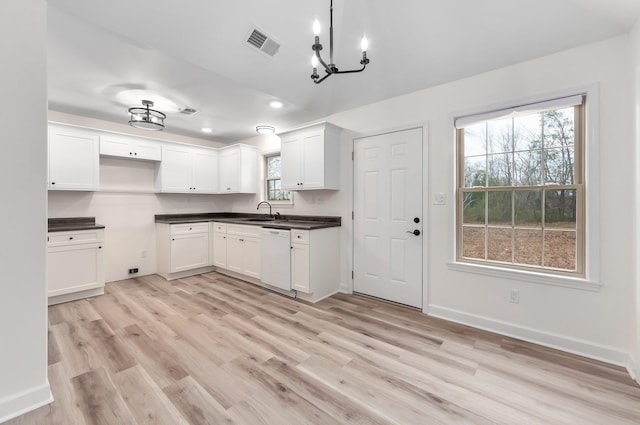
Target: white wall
596,324
635,328
23,217
126,204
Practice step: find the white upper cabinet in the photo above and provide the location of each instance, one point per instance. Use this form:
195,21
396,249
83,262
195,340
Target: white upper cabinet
186,169
74,159
311,158
127,147
238,169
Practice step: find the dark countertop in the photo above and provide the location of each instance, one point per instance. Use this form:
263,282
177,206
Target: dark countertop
73,223
303,222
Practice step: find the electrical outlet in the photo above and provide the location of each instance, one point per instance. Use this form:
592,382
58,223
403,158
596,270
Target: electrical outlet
134,270
514,296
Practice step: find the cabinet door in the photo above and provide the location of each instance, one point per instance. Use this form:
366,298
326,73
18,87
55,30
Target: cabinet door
147,149
300,267
205,171
74,160
291,157
251,257
313,161
229,166
175,169
189,251
220,250
234,253
115,146
74,268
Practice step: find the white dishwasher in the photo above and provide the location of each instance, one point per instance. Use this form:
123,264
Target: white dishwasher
275,262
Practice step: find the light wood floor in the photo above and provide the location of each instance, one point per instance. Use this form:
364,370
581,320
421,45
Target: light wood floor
213,350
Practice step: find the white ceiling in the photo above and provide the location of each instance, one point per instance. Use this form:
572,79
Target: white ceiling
192,52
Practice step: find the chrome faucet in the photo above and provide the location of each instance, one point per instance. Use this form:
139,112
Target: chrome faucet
265,202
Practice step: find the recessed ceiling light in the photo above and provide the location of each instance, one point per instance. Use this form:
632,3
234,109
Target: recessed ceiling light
206,130
276,104
265,129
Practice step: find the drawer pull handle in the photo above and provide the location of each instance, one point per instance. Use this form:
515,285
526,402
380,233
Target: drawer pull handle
70,238
99,247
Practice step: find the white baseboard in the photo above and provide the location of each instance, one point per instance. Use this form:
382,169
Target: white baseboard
632,368
548,339
25,401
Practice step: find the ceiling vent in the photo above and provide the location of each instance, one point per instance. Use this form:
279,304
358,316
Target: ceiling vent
188,111
264,43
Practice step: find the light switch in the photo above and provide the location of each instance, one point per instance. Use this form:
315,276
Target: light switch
439,198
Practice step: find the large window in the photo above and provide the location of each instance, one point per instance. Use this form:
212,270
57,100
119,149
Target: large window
272,179
521,188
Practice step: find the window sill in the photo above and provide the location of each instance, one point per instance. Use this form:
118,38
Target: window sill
527,276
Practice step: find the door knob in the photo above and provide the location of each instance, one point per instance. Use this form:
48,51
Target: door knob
415,232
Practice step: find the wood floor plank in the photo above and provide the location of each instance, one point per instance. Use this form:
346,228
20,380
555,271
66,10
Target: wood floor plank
99,401
196,404
212,349
158,358
148,404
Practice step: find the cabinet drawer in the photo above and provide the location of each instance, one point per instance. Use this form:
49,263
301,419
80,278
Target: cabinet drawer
300,236
220,227
242,230
183,229
72,238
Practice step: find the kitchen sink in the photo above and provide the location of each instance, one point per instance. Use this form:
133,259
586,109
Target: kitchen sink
259,220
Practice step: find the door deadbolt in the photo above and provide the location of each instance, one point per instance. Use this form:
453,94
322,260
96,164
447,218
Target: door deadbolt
416,220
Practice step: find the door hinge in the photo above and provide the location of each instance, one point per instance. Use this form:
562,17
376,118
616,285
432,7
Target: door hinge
352,275
353,215
352,155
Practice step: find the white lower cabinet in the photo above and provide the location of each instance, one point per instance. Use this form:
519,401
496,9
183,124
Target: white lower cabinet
189,252
315,263
239,248
74,265
219,246
300,267
182,249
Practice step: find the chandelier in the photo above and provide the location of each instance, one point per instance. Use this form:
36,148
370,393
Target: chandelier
331,68
146,118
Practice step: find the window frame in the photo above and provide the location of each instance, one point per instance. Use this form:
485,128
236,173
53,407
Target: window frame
589,254
265,174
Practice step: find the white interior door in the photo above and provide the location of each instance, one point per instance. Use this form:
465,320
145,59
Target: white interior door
387,203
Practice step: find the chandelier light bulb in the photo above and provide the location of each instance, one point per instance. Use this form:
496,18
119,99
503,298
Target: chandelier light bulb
314,61
364,44
316,28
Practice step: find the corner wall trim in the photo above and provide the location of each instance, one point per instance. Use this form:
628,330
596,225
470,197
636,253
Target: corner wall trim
25,401
560,342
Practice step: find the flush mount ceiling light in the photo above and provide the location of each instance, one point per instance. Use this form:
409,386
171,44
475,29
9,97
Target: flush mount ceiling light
331,68
146,118
265,129
206,129
276,104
